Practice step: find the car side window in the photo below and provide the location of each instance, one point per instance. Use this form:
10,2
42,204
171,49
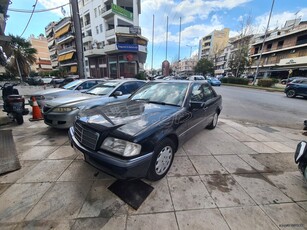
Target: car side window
201,93
128,87
88,84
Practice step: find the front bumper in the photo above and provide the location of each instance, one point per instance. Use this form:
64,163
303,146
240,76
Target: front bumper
60,120
120,168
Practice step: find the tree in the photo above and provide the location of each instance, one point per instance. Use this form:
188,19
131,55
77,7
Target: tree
204,66
23,56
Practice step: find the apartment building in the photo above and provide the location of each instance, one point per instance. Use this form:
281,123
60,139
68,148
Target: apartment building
112,40
65,45
4,40
185,67
49,31
212,44
284,51
43,62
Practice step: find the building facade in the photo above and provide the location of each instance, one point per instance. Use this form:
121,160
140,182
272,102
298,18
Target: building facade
43,62
112,40
49,31
213,44
284,51
185,67
4,40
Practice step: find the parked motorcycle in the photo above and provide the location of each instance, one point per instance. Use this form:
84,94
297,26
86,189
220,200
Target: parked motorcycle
300,157
13,103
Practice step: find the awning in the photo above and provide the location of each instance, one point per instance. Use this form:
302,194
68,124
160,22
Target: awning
74,69
131,35
67,56
51,43
62,31
45,66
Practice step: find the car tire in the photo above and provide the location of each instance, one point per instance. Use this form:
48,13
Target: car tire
290,93
213,124
162,160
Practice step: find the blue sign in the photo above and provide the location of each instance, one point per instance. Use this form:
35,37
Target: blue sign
128,47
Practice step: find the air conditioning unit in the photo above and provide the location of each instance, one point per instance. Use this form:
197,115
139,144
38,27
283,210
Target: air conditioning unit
274,54
292,51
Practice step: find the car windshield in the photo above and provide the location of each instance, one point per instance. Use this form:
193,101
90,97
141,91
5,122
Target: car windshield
103,88
72,85
162,93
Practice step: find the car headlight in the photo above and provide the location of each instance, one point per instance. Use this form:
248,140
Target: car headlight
64,109
121,147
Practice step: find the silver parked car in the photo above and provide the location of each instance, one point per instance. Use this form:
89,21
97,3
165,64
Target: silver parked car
61,112
76,86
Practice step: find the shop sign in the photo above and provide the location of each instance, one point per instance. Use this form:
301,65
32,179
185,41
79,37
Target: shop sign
127,47
293,61
121,11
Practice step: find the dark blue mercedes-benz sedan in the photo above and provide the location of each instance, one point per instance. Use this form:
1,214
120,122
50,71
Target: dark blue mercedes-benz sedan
138,137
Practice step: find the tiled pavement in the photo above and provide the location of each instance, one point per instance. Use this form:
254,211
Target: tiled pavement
238,176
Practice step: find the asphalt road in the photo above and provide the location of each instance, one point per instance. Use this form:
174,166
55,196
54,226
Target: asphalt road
262,107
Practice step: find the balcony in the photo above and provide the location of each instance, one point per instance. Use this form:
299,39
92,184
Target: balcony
65,38
112,48
61,24
94,52
87,39
67,50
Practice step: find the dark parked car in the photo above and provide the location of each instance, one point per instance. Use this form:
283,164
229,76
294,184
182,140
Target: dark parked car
138,137
297,87
287,80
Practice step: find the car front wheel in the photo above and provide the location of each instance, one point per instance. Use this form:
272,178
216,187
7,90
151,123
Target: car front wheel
290,93
162,160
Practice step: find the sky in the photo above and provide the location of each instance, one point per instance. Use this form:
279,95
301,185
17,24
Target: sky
198,19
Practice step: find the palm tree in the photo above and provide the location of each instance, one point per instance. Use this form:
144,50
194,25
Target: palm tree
23,55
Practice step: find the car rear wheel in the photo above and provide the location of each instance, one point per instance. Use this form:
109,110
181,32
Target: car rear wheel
213,124
162,160
290,93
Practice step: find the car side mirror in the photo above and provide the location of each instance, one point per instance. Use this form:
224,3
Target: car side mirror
196,105
79,88
117,93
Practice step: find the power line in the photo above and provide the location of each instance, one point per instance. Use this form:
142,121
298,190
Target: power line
37,11
29,18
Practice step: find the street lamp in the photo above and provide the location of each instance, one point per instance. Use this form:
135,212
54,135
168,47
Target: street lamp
190,49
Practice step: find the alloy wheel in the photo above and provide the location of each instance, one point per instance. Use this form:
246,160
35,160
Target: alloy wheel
164,160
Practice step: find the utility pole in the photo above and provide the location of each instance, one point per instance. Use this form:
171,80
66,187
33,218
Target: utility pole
153,39
262,48
78,37
190,50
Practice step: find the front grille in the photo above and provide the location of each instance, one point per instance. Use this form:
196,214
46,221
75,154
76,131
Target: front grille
85,136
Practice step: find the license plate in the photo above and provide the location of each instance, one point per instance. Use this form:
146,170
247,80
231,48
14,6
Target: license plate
17,107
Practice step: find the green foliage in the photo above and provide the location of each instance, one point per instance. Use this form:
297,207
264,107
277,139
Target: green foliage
141,76
235,80
267,82
204,66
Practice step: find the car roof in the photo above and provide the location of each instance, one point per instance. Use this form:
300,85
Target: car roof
181,81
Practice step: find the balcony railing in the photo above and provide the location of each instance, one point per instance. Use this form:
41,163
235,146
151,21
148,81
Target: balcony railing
66,50
63,38
62,23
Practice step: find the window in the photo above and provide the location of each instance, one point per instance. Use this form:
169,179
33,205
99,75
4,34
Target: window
95,12
128,87
301,40
99,10
280,44
100,28
201,93
269,47
97,30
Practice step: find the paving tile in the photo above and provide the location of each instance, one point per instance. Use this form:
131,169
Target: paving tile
18,200
290,183
241,136
63,153
249,159
260,189
291,144
159,200
80,170
90,223
46,224
8,226
196,146
285,162
3,187
207,165
37,152
180,152
279,147
234,164
45,171
247,217
287,215
224,148
303,205
189,193
54,141
259,137
100,202
206,219
225,191
12,177
182,166
62,202
259,147
165,221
